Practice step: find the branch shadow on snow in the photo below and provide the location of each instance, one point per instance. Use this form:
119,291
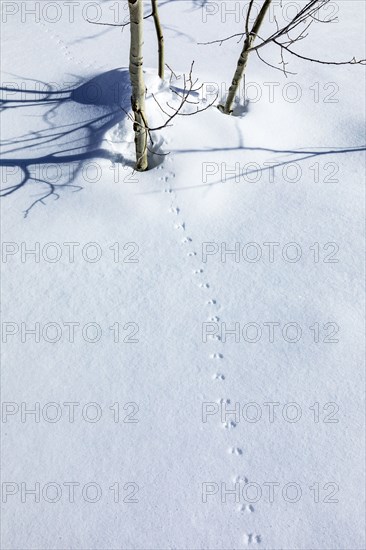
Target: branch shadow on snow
54,154
71,128
289,156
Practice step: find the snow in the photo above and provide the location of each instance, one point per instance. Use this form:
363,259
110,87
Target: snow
190,197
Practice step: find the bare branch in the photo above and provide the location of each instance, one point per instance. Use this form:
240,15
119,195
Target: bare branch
284,37
189,87
353,61
283,63
121,25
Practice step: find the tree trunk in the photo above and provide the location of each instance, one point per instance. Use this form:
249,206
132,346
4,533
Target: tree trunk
137,83
243,60
160,36
240,68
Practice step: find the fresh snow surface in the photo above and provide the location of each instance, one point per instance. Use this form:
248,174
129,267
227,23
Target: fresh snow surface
146,452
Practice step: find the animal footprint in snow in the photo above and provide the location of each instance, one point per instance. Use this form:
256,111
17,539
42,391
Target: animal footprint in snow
249,539
240,479
196,271
173,210
168,176
235,451
181,226
167,190
214,319
246,508
204,285
223,401
192,254
216,356
186,240
211,303
218,376
229,425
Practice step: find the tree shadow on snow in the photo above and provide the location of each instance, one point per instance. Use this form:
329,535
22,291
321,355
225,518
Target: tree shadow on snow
71,128
53,155
289,156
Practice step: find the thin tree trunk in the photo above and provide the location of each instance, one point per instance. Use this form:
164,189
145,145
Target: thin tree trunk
240,68
138,83
243,60
160,36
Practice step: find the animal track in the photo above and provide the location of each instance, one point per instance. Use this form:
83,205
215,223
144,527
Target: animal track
251,538
240,479
216,356
174,209
223,401
229,425
167,177
246,508
235,451
66,51
181,226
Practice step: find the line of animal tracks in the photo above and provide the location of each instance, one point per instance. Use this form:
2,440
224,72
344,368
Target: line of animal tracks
211,310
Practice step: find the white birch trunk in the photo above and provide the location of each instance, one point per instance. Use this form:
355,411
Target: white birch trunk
238,75
243,60
138,83
160,37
